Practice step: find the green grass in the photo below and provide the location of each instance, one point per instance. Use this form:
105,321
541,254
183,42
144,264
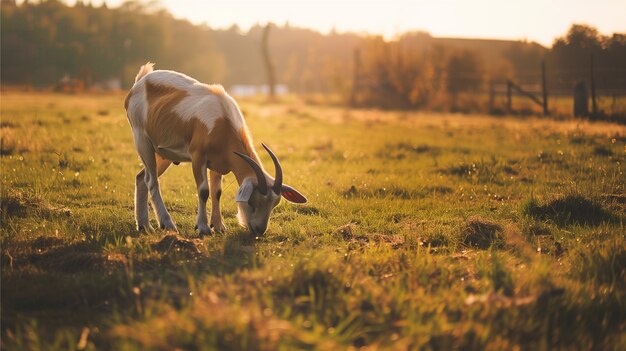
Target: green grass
422,231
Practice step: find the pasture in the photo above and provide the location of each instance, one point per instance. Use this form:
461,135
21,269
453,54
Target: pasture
422,231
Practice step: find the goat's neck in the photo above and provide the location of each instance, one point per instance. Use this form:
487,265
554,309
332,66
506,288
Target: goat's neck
240,168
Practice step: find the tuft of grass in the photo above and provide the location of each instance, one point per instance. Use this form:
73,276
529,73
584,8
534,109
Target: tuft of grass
568,210
604,264
172,242
500,276
394,192
399,151
482,234
15,203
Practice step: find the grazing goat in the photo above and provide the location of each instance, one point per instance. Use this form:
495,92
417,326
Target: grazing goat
175,118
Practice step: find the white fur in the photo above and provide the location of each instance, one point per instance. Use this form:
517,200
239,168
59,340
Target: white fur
204,102
137,111
206,108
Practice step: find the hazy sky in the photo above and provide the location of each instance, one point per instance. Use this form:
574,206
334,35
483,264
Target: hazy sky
534,20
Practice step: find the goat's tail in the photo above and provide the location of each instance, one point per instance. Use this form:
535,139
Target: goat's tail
145,69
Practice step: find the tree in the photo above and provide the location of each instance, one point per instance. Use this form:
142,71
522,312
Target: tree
465,73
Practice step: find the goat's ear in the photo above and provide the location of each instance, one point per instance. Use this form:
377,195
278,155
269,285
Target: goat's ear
292,195
245,191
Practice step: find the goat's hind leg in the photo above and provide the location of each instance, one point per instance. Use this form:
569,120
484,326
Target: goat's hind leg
141,202
141,195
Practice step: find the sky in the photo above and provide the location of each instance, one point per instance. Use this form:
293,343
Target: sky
532,20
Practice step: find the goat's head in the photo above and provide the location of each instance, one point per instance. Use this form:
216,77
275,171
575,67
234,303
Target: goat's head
256,200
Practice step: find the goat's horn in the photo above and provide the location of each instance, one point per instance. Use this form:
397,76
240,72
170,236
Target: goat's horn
278,180
260,175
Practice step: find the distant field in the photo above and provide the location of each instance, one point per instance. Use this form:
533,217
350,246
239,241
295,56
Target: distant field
422,231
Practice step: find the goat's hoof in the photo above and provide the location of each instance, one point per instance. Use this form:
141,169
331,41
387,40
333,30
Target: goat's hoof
203,230
169,226
145,228
218,228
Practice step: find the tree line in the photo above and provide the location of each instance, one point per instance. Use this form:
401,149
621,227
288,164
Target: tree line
47,40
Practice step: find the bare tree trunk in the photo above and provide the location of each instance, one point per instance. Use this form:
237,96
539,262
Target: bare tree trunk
269,67
355,79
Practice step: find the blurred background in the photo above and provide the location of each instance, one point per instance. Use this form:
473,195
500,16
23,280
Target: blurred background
84,46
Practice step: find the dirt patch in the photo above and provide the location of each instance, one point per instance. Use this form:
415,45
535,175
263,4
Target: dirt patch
18,204
482,234
173,242
395,241
54,254
347,233
569,209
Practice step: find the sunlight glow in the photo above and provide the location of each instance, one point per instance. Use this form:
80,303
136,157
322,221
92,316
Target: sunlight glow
532,20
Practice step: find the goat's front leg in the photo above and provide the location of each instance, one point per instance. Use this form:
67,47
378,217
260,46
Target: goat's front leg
216,192
199,165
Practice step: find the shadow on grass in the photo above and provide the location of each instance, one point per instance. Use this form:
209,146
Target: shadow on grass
65,283
15,203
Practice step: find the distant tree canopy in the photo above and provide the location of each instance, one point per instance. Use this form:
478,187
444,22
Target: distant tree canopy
47,40
571,54
44,41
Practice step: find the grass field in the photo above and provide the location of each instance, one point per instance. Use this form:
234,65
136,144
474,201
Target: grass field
422,231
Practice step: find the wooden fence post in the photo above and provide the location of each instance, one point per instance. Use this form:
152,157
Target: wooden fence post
594,106
492,96
544,89
581,100
509,102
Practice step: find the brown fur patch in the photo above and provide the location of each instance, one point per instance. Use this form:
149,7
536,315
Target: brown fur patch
168,130
223,142
164,126
246,140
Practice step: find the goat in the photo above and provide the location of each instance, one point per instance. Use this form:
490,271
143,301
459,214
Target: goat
174,118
